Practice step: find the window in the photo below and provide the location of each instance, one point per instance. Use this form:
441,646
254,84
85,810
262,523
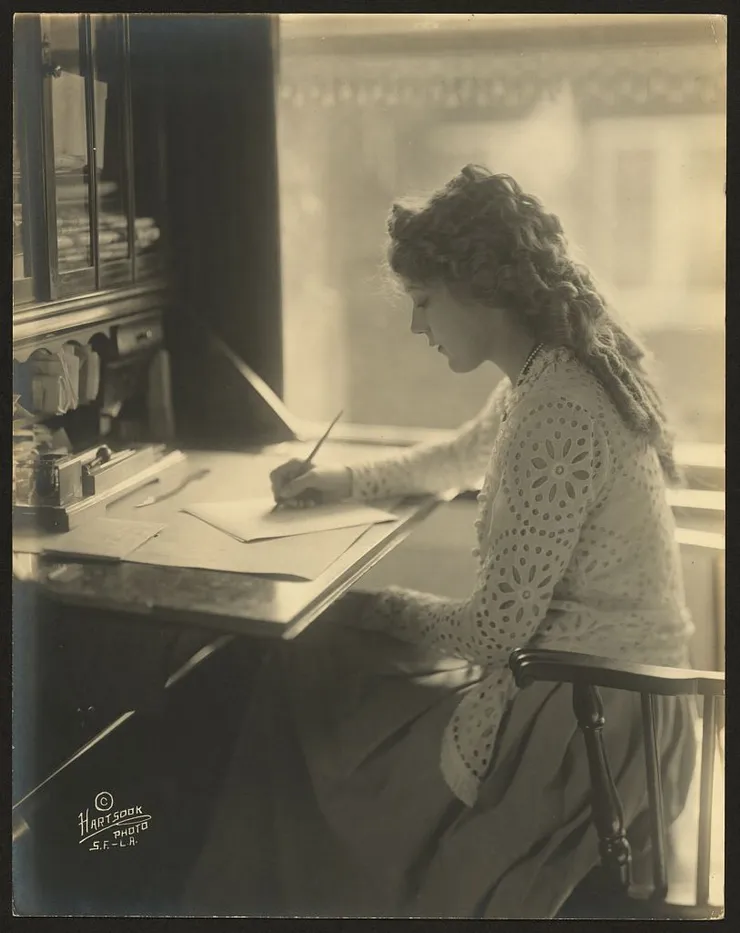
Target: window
675,297
623,162
633,233
704,174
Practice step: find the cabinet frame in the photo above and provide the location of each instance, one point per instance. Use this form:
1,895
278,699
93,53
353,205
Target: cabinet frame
28,97
34,72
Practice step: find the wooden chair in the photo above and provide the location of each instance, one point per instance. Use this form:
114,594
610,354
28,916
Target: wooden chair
609,891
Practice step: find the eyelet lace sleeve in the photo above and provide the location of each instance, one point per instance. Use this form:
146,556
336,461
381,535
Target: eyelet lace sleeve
457,463
553,465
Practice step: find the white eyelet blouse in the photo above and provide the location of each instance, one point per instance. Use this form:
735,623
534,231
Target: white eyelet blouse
576,546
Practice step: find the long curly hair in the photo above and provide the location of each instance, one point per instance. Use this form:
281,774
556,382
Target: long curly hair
485,239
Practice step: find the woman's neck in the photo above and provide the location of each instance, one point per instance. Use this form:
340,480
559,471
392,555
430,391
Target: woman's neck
511,354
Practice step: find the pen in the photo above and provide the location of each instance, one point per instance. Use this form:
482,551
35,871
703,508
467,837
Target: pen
319,443
309,459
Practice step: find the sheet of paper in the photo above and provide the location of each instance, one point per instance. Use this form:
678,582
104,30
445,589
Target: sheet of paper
189,542
256,519
103,538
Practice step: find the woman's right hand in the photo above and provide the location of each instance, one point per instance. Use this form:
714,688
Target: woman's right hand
295,483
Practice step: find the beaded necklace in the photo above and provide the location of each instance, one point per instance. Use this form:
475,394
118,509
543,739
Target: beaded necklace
528,364
524,372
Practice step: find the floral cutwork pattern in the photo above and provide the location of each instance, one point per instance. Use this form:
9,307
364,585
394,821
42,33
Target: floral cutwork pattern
560,560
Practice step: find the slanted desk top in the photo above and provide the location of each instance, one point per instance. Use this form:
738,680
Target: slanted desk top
226,604
229,602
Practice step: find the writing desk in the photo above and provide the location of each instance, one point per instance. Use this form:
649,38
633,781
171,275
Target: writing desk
222,605
235,603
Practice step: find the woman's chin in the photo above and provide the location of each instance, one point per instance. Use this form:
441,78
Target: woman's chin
462,366
456,364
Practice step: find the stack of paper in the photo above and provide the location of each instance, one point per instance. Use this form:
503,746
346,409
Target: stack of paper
250,536
258,520
103,538
188,542
243,536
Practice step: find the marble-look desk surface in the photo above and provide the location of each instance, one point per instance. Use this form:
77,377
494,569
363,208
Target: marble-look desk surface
228,602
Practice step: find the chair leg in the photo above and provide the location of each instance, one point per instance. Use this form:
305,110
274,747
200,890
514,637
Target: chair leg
614,847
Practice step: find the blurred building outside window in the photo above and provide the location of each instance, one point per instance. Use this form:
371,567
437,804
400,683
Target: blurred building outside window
624,141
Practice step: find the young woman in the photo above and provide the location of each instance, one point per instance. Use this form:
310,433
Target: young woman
389,766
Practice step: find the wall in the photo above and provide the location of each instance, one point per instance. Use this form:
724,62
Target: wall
218,78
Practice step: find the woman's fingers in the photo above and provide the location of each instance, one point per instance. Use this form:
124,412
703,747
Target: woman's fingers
308,480
305,500
288,470
298,483
285,473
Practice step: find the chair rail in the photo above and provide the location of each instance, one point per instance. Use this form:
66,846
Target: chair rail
540,664
587,674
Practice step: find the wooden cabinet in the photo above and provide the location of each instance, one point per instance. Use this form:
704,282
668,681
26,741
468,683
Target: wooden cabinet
84,165
90,262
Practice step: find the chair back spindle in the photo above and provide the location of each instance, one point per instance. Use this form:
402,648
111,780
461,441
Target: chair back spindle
655,798
706,787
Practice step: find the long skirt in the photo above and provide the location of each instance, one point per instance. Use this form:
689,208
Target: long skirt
334,804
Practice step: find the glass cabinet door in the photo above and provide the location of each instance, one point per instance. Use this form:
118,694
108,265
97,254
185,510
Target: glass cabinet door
113,152
23,289
66,47
88,192
148,121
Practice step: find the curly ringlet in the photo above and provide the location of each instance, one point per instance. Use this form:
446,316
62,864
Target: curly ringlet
488,241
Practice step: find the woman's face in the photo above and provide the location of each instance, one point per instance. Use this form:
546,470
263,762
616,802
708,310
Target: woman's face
460,331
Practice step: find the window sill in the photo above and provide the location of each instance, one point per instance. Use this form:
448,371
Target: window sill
383,435
704,464
689,455
711,456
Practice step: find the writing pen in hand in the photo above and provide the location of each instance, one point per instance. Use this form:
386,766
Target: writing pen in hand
309,459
